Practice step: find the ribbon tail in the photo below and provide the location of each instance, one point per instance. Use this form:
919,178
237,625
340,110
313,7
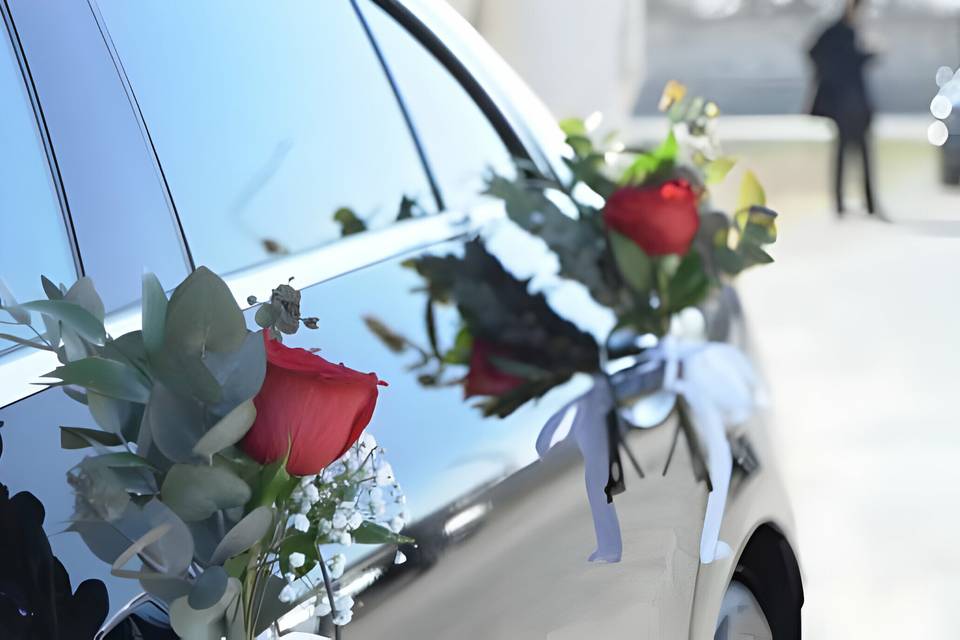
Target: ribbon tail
720,470
591,434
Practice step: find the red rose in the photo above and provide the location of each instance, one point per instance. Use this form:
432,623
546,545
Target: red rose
484,378
316,408
661,219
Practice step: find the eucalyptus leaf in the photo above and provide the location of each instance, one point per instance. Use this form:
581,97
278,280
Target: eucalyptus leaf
153,312
246,533
51,290
208,589
87,326
203,316
121,459
165,588
266,315
84,293
9,304
107,377
195,492
207,623
176,423
228,431
75,395
81,438
115,416
240,373
186,375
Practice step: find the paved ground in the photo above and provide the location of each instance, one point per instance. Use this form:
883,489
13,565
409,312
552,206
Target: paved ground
858,327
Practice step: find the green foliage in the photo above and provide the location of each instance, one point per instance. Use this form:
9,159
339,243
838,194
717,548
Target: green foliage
634,265
751,193
350,223
106,377
654,165
716,170
372,533
81,438
195,492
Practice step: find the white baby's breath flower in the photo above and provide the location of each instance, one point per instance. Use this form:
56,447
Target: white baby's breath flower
311,493
290,576
355,520
337,564
401,498
396,524
346,539
339,520
385,474
367,442
322,607
400,558
325,527
297,559
299,521
344,616
376,494
307,481
289,593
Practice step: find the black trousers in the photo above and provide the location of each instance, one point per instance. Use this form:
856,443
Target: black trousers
846,142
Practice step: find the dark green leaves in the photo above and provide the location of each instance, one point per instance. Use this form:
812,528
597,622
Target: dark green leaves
350,223
81,438
373,533
634,265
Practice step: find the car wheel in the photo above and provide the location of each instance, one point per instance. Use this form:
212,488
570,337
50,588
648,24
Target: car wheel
741,616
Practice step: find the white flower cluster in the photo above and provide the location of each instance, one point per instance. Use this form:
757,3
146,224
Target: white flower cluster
358,488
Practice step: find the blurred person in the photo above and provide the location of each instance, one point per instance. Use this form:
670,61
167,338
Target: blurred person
841,95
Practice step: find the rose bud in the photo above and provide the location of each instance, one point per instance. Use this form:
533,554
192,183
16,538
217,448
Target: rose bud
662,219
484,378
308,405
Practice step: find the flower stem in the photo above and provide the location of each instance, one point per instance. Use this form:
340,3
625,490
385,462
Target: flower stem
329,587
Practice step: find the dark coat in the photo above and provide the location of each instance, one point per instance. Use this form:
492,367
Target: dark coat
841,91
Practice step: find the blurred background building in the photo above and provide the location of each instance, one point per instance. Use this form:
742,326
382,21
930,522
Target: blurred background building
748,55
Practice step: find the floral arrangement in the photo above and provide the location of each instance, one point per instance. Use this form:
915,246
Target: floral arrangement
224,460
639,231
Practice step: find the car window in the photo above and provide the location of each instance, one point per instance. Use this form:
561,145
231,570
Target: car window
34,238
460,142
266,121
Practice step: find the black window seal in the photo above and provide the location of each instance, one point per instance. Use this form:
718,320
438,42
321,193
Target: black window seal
144,130
43,130
404,110
435,46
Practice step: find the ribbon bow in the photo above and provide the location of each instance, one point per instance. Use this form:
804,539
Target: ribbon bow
717,384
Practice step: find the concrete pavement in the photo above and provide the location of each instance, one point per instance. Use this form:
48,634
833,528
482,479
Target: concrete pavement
858,330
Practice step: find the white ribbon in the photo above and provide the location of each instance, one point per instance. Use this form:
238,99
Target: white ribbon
716,382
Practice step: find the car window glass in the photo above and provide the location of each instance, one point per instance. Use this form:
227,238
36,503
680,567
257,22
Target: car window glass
460,142
34,240
266,121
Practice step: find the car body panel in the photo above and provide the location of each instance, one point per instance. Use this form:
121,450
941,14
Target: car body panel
502,538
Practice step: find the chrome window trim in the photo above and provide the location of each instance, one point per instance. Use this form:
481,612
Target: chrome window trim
21,367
